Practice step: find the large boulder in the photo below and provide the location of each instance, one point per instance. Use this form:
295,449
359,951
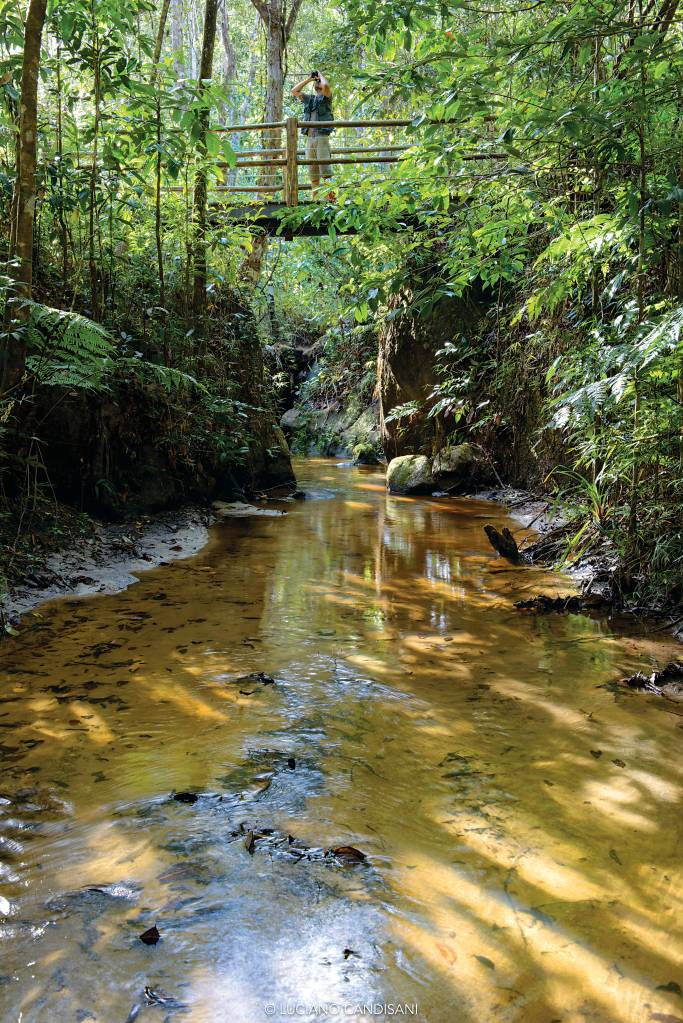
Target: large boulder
410,474
457,466
408,346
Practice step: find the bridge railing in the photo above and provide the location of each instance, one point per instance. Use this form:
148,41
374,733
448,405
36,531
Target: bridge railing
278,164
277,161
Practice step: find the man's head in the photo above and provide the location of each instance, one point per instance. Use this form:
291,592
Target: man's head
317,84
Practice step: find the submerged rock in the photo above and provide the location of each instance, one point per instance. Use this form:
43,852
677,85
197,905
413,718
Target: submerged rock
95,898
238,509
410,474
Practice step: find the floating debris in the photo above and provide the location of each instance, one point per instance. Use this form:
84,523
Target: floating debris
568,604
347,854
505,543
150,936
252,679
667,682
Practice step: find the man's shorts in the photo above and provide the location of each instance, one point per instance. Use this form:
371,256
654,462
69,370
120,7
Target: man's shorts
318,148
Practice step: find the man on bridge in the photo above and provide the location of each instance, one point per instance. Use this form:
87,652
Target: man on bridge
317,107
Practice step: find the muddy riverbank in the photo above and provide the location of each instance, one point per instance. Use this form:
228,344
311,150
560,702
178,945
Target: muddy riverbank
109,558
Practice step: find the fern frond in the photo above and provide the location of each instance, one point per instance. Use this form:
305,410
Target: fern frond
67,349
166,376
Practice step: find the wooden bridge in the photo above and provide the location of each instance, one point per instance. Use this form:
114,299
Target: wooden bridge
273,167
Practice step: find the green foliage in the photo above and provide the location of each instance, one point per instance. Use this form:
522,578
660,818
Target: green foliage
365,454
67,349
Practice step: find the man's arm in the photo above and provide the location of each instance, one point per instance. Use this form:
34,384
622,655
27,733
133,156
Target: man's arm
327,91
298,89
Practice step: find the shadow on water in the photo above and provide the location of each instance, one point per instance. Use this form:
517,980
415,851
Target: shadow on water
522,825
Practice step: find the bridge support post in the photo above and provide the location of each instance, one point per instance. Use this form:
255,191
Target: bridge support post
292,166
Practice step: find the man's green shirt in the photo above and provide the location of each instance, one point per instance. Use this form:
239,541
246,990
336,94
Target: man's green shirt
321,106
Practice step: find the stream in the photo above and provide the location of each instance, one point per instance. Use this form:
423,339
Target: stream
519,817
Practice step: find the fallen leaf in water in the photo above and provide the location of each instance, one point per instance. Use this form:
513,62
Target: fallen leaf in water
185,797
618,763
250,843
348,853
597,753
614,855
672,986
447,952
150,936
485,961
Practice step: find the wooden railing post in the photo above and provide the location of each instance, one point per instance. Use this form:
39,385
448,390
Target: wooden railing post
292,165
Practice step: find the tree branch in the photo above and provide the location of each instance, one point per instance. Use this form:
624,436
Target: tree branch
262,8
289,27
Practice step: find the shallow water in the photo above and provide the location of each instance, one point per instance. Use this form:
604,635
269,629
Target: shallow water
522,826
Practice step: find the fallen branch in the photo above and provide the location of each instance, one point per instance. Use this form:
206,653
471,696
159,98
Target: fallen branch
505,543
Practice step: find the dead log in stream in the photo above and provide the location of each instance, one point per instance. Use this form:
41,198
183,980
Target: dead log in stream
505,543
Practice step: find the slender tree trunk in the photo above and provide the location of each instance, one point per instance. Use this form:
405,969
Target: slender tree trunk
177,36
161,29
92,262
200,185
63,234
249,92
15,354
229,75
163,16
230,65
278,25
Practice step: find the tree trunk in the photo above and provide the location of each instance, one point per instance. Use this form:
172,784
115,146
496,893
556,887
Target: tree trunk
249,92
15,354
278,26
97,70
205,70
63,233
163,16
177,36
230,66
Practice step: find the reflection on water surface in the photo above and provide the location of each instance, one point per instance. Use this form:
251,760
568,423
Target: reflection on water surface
522,826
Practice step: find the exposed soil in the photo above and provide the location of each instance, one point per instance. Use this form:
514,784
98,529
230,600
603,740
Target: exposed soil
107,560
